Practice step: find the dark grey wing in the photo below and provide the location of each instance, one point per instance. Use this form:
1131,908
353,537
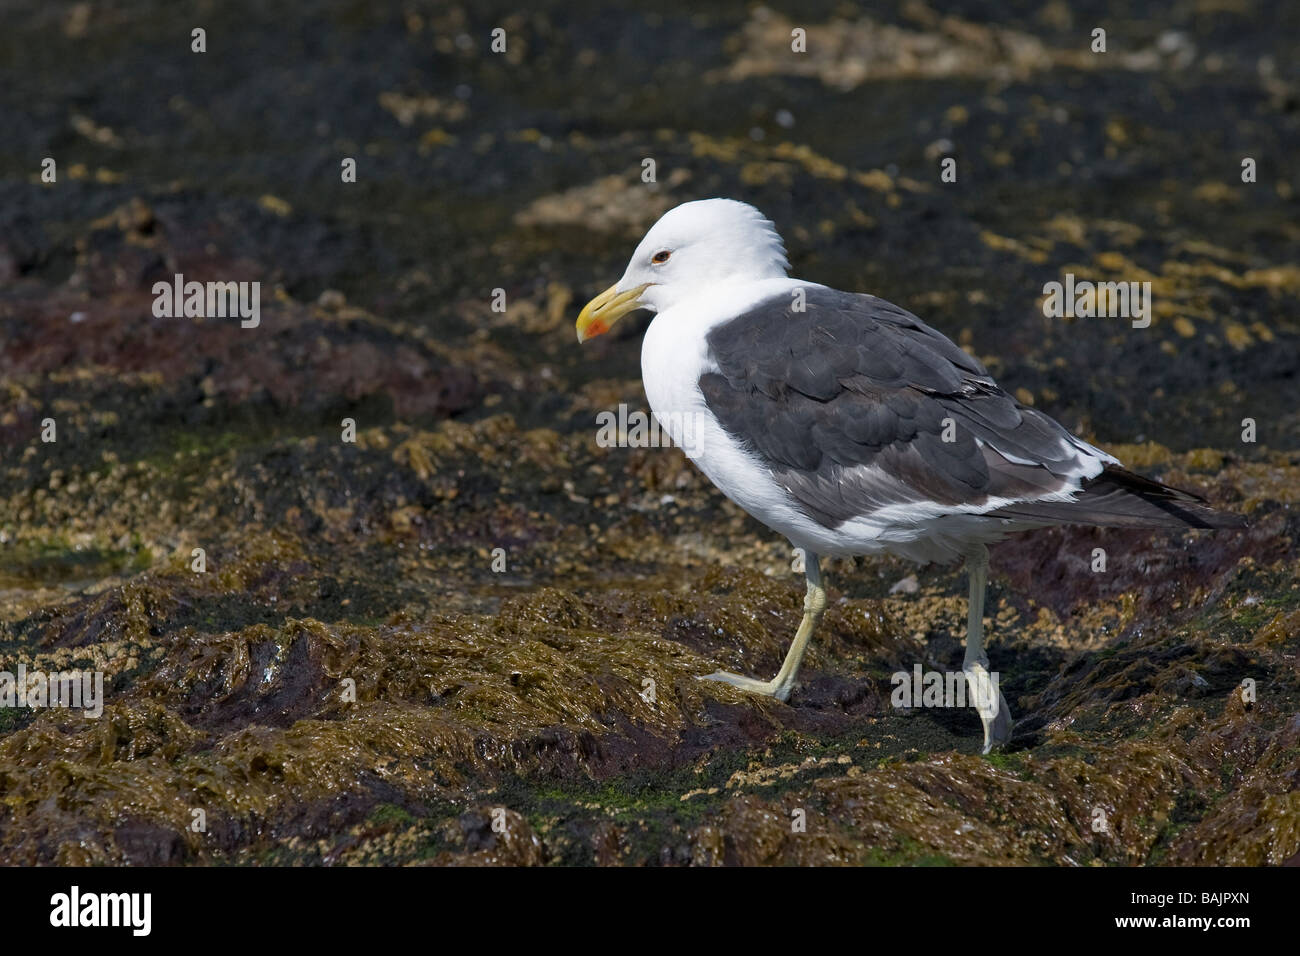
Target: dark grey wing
846,403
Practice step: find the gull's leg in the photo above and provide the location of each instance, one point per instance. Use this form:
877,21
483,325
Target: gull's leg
994,714
814,603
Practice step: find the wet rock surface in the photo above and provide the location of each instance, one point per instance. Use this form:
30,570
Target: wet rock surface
472,635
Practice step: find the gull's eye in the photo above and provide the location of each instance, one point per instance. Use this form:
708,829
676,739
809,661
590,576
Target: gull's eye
660,257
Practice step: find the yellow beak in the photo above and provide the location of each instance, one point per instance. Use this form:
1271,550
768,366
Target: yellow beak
599,315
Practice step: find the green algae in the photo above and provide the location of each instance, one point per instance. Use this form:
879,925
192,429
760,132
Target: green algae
60,562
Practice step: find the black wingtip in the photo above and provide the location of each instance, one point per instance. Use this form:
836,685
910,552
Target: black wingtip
1118,498
1186,506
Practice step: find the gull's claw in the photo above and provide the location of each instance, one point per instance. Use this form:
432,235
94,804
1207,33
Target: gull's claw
767,688
995,716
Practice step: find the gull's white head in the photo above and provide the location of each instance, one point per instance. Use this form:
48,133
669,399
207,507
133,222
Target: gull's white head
693,247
